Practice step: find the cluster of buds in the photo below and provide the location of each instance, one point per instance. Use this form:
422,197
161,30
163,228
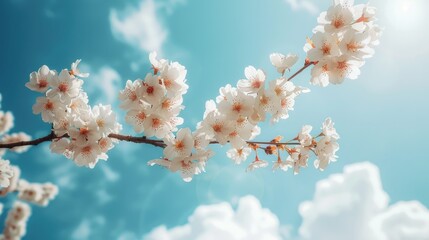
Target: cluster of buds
345,37
16,221
186,152
153,104
83,129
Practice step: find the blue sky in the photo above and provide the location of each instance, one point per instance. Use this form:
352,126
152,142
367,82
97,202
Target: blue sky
382,117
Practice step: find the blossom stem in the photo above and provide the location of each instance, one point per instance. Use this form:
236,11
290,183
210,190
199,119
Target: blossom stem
306,65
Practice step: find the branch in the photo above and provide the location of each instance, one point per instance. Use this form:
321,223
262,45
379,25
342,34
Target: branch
143,140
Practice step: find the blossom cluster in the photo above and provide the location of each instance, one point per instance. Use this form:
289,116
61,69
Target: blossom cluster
82,130
39,194
6,124
154,103
16,221
233,118
35,193
345,37
186,152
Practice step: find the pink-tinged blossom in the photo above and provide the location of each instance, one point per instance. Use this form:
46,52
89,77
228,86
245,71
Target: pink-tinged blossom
325,151
238,155
157,65
75,70
298,158
282,62
6,122
88,154
255,79
128,96
6,173
256,164
152,91
304,136
39,81
65,87
16,221
156,125
13,181
137,117
50,108
173,77
179,146
324,45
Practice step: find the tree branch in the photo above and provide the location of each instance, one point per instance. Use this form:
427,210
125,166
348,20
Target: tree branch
143,140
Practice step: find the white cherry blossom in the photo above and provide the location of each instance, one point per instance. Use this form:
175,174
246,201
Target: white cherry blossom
39,81
255,80
180,146
6,122
239,155
75,70
282,62
6,173
64,86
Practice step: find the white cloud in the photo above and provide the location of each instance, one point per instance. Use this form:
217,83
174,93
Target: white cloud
109,173
220,221
351,205
305,5
88,227
103,84
140,27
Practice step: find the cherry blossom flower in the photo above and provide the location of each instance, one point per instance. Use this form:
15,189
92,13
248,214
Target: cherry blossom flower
151,90
173,77
239,155
16,221
298,158
6,173
324,45
282,62
325,151
180,146
256,164
50,108
39,81
88,154
75,71
129,97
255,80
105,119
304,136
64,86
6,122
13,181
157,125
329,130
236,104
36,193
337,18
157,65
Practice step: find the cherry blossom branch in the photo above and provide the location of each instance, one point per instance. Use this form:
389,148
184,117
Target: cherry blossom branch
134,139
